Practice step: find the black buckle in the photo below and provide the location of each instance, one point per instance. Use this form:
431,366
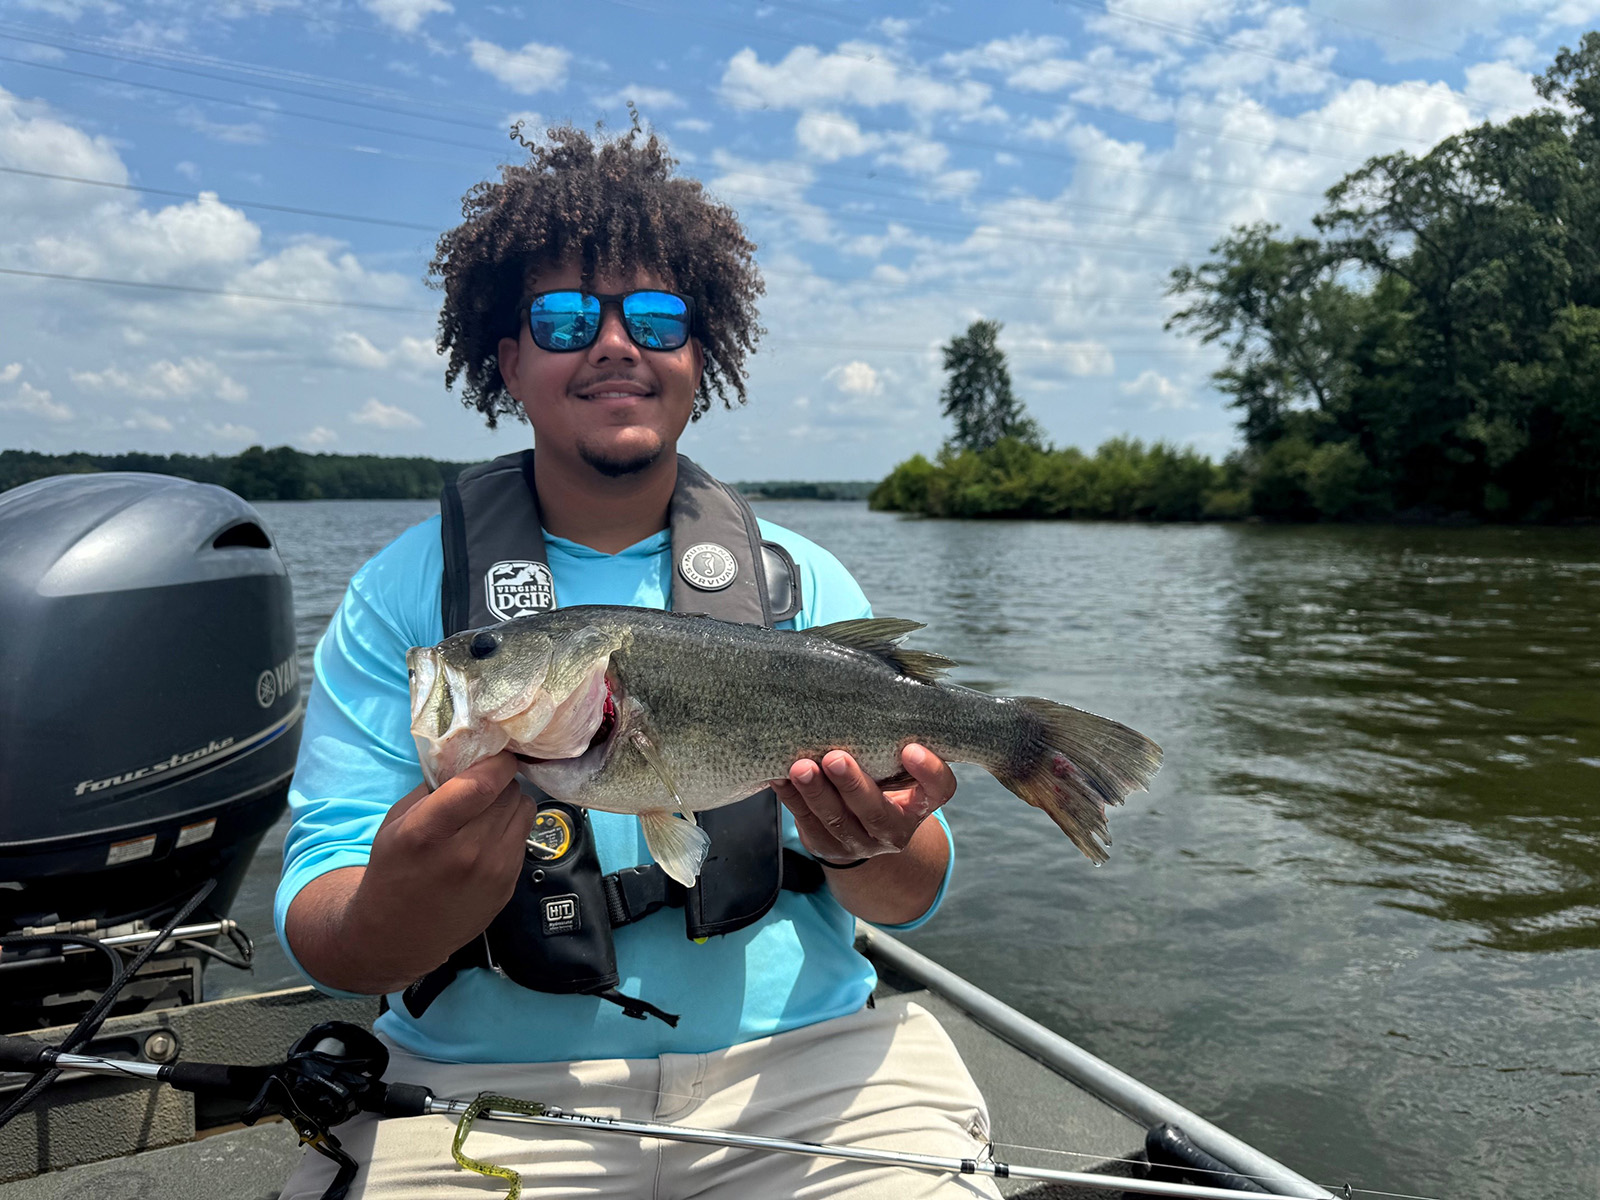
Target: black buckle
633,893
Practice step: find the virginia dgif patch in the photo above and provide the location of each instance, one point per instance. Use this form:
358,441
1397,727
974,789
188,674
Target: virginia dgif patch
518,588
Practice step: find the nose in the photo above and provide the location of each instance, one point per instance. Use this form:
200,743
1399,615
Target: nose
612,343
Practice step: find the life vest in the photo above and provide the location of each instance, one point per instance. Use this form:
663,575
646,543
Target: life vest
554,935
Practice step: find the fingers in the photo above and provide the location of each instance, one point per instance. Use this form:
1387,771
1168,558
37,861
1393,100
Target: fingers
839,810
936,782
805,795
469,795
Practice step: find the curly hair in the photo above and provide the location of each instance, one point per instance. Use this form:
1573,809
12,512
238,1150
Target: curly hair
610,206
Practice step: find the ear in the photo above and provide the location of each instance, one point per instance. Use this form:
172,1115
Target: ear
508,354
699,362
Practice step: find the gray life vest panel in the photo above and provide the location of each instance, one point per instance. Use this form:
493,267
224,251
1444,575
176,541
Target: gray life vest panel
495,569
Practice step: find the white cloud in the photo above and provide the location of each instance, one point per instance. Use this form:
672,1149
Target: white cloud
416,352
692,124
166,380
533,125
356,350
405,15
379,415
9,372
36,402
1008,54
319,435
534,68
353,349
643,98
830,136
232,434
1075,357
856,379
1163,394
858,73
143,418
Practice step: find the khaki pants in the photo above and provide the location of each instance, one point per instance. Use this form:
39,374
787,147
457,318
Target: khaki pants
887,1078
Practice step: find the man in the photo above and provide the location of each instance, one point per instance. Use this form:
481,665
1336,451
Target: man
606,300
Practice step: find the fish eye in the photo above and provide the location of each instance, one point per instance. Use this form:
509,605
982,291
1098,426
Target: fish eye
483,644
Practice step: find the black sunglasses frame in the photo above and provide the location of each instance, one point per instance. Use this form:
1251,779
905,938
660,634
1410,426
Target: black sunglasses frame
615,299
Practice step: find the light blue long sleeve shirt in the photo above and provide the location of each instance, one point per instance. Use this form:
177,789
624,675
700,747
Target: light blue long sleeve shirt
795,966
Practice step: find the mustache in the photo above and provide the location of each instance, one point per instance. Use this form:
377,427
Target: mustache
588,385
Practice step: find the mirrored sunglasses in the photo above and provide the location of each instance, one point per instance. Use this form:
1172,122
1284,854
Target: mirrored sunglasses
562,321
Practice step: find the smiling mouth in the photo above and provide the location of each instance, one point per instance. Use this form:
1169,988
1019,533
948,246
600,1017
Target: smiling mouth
618,389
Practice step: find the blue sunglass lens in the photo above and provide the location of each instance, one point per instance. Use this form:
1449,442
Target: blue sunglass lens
563,320
571,320
656,320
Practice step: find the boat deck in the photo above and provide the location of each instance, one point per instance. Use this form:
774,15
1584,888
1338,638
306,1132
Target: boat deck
109,1137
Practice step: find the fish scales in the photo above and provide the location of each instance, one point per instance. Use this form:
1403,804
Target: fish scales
745,702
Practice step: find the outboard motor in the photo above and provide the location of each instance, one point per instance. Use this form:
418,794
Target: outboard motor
149,717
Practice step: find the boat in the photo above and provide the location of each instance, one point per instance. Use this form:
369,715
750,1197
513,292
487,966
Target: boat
177,793
98,1136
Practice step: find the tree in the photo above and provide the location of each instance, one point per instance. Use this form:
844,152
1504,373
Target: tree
1286,321
977,395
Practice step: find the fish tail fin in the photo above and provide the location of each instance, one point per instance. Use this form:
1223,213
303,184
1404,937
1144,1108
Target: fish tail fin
1076,763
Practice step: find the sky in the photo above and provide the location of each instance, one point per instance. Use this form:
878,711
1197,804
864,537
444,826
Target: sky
245,195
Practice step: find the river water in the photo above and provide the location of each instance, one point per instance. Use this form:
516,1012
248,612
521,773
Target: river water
1357,920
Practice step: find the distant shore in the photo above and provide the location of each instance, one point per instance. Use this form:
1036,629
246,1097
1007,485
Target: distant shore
284,473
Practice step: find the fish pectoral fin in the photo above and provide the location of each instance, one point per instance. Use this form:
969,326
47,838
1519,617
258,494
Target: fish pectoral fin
640,739
676,843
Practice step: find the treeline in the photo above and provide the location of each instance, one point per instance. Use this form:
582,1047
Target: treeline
284,473
281,473
1433,352
1435,349
794,489
1123,480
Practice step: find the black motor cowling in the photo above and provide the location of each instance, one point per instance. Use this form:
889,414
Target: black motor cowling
149,697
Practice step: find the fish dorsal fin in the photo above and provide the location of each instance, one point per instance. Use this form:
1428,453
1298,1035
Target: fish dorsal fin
880,637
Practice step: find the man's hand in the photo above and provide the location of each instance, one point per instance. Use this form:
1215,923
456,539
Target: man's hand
443,864
842,815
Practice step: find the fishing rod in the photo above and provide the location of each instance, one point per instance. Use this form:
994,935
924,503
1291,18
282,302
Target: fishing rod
335,1072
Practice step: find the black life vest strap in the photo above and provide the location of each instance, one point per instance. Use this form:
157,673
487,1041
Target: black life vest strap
632,894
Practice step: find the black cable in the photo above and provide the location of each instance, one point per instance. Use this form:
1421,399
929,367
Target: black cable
91,1021
65,939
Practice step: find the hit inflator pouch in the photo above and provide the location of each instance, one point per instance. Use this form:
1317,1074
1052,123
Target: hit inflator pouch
555,933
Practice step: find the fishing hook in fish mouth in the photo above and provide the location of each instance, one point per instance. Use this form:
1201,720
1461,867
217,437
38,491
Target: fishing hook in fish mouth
602,733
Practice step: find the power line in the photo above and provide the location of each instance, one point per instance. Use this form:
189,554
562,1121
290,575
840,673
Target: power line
209,291
867,281
262,76
1126,79
824,343
1227,43
1032,152
237,203
270,109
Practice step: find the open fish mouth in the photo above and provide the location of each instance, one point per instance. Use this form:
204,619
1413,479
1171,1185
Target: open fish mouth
456,721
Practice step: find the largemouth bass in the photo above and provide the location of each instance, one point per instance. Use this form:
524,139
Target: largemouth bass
662,715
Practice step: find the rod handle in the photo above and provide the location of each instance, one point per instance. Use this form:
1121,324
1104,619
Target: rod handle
25,1054
216,1079
405,1100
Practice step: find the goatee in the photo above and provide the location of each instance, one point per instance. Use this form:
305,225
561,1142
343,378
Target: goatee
618,465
